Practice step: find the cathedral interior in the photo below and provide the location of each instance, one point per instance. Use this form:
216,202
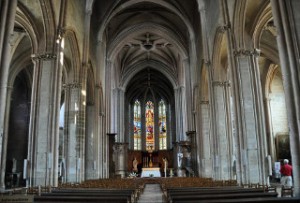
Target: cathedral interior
97,89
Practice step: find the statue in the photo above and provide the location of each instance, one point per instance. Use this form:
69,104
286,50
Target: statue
14,166
179,159
165,166
134,164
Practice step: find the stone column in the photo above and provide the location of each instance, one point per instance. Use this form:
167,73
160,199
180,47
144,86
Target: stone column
109,102
90,166
180,133
44,129
252,144
270,135
260,116
205,142
187,101
191,135
118,113
100,156
91,142
286,18
120,157
102,153
5,138
7,14
74,138
111,163
236,102
222,138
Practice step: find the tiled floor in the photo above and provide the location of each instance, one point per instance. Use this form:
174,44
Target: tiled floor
152,193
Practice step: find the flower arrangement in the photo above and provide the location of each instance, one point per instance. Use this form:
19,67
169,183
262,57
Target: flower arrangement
132,175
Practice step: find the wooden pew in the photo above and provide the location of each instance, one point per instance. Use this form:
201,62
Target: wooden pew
107,199
217,196
87,195
248,200
212,190
287,191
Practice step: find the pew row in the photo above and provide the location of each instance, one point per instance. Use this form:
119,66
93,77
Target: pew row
87,195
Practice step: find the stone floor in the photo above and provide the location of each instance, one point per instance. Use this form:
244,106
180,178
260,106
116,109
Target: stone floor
152,193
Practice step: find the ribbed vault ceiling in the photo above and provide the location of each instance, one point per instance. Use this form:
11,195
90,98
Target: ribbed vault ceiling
156,31
149,84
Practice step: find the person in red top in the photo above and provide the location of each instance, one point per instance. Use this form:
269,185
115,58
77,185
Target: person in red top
286,174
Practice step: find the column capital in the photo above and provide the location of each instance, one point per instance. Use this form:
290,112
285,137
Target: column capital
72,86
121,89
221,83
61,31
120,147
224,28
90,103
246,53
179,87
204,102
207,62
44,57
190,133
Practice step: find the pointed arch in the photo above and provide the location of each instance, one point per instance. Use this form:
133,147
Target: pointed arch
239,18
70,39
49,25
90,86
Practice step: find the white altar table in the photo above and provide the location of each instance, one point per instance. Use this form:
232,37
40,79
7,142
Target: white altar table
150,172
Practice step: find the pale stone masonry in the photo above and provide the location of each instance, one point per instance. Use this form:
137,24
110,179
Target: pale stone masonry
227,70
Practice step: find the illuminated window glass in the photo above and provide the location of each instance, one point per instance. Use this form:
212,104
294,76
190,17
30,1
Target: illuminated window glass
137,139
149,114
162,126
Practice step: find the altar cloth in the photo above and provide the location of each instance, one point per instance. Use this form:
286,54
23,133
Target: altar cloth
150,172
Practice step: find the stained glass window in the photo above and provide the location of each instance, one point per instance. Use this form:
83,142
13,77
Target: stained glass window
149,113
162,126
137,139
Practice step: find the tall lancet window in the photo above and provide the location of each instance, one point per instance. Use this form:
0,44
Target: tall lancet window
162,125
137,139
149,126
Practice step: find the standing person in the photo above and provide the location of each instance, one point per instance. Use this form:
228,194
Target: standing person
286,174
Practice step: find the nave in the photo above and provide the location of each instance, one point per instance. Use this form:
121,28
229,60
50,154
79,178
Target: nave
110,90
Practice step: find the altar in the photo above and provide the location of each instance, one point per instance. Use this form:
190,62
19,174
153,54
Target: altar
150,172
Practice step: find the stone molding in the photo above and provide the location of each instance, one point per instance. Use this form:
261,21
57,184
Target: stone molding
44,57
90,103
72,86
207,62
120,147
224,28
220,84
204,102
61,31
271,27
163,30
246,53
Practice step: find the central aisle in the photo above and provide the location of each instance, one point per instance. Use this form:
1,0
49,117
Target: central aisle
152,193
